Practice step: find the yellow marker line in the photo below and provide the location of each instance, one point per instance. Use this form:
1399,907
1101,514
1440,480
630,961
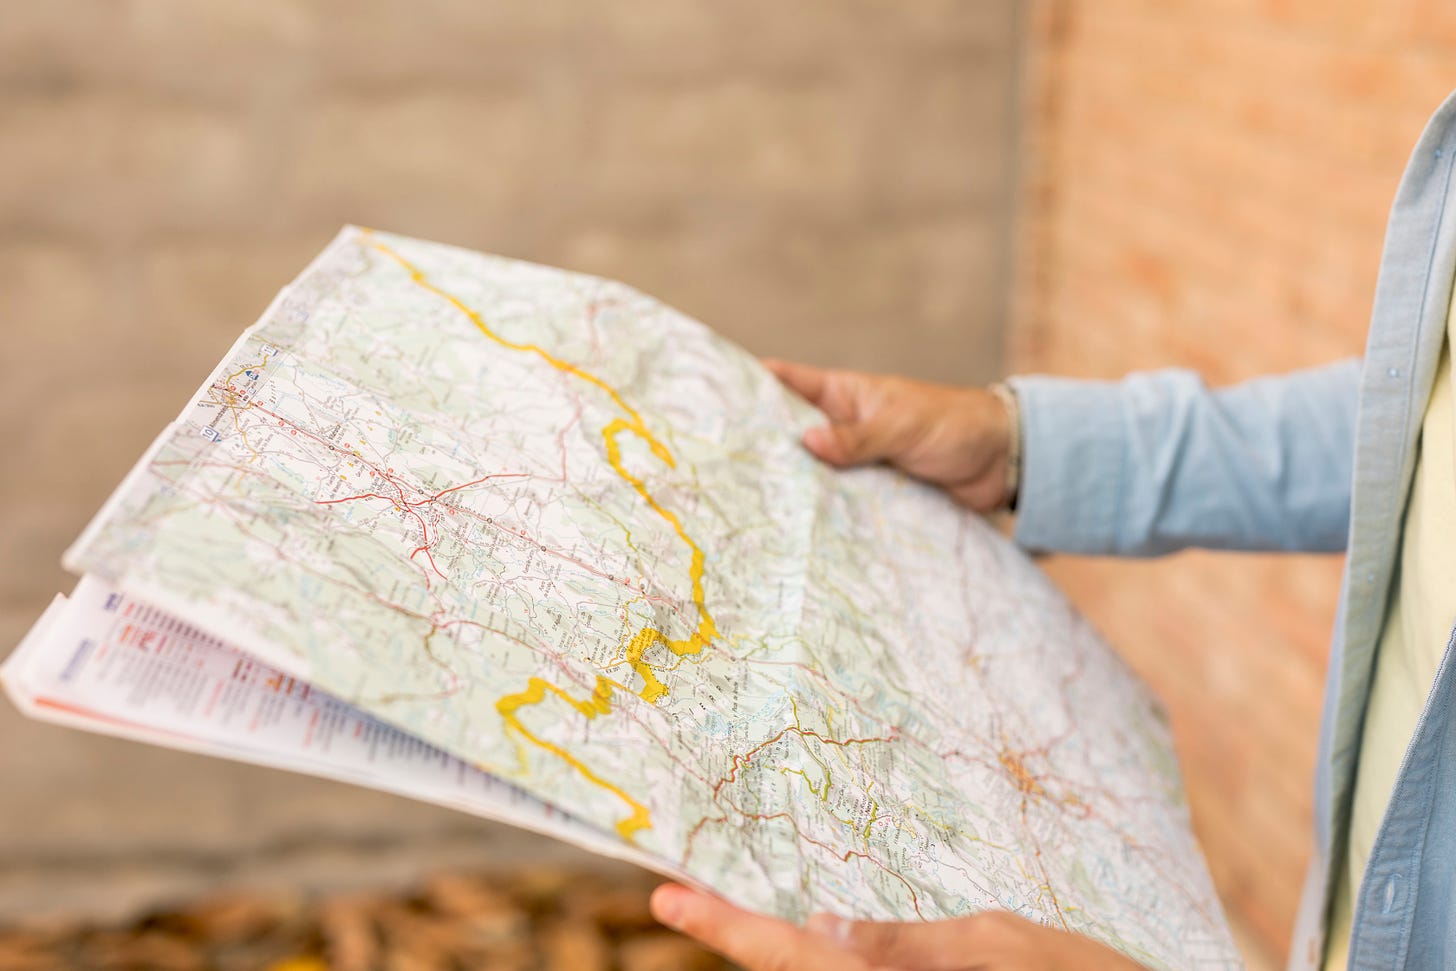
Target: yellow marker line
653,689
874,815
599,704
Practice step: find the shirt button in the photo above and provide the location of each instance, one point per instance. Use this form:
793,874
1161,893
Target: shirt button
1392,888
1393,372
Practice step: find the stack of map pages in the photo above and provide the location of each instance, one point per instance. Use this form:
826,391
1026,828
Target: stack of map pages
532,545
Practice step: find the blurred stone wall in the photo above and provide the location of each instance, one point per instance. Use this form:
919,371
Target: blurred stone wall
825,179
1208,186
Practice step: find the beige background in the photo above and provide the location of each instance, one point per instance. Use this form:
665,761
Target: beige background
825,179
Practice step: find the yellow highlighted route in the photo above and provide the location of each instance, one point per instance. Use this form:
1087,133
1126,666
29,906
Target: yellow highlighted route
600,701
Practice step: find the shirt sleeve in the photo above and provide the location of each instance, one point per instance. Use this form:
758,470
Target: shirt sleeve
1158,462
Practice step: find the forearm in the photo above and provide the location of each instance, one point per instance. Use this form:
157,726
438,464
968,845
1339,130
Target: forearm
1158,462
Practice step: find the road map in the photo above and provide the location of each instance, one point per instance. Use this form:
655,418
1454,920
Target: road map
552,529
102,661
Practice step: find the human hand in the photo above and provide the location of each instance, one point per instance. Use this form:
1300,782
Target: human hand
956,438
990,941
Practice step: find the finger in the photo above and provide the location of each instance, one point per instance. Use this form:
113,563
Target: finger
757,943
849,443
809,382
942,945
837,445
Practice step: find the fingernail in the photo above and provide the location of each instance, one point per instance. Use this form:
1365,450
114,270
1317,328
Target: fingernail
667,906
827,925
816,438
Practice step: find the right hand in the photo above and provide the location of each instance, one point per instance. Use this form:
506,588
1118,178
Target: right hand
956,438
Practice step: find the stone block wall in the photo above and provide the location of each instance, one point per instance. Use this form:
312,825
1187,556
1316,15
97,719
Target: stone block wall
825,179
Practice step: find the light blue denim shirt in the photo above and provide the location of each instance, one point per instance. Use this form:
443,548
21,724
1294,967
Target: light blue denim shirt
1315,460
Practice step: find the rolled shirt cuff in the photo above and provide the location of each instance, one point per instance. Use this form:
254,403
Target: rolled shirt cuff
1072,465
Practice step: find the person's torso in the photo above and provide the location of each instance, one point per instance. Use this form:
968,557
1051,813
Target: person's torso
1418,623
1404,910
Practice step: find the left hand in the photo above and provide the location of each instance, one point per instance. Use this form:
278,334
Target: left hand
990,941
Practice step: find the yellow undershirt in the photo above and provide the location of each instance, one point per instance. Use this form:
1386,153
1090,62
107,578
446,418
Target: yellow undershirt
1417,626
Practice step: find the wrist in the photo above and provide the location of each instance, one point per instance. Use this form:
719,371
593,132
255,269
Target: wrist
1005,394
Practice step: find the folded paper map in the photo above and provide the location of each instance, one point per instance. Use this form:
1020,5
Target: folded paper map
531,544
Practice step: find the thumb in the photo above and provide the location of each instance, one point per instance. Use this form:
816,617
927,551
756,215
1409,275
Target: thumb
944,945
751,941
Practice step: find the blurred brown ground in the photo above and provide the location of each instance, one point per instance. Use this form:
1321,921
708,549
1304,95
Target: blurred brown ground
528,919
